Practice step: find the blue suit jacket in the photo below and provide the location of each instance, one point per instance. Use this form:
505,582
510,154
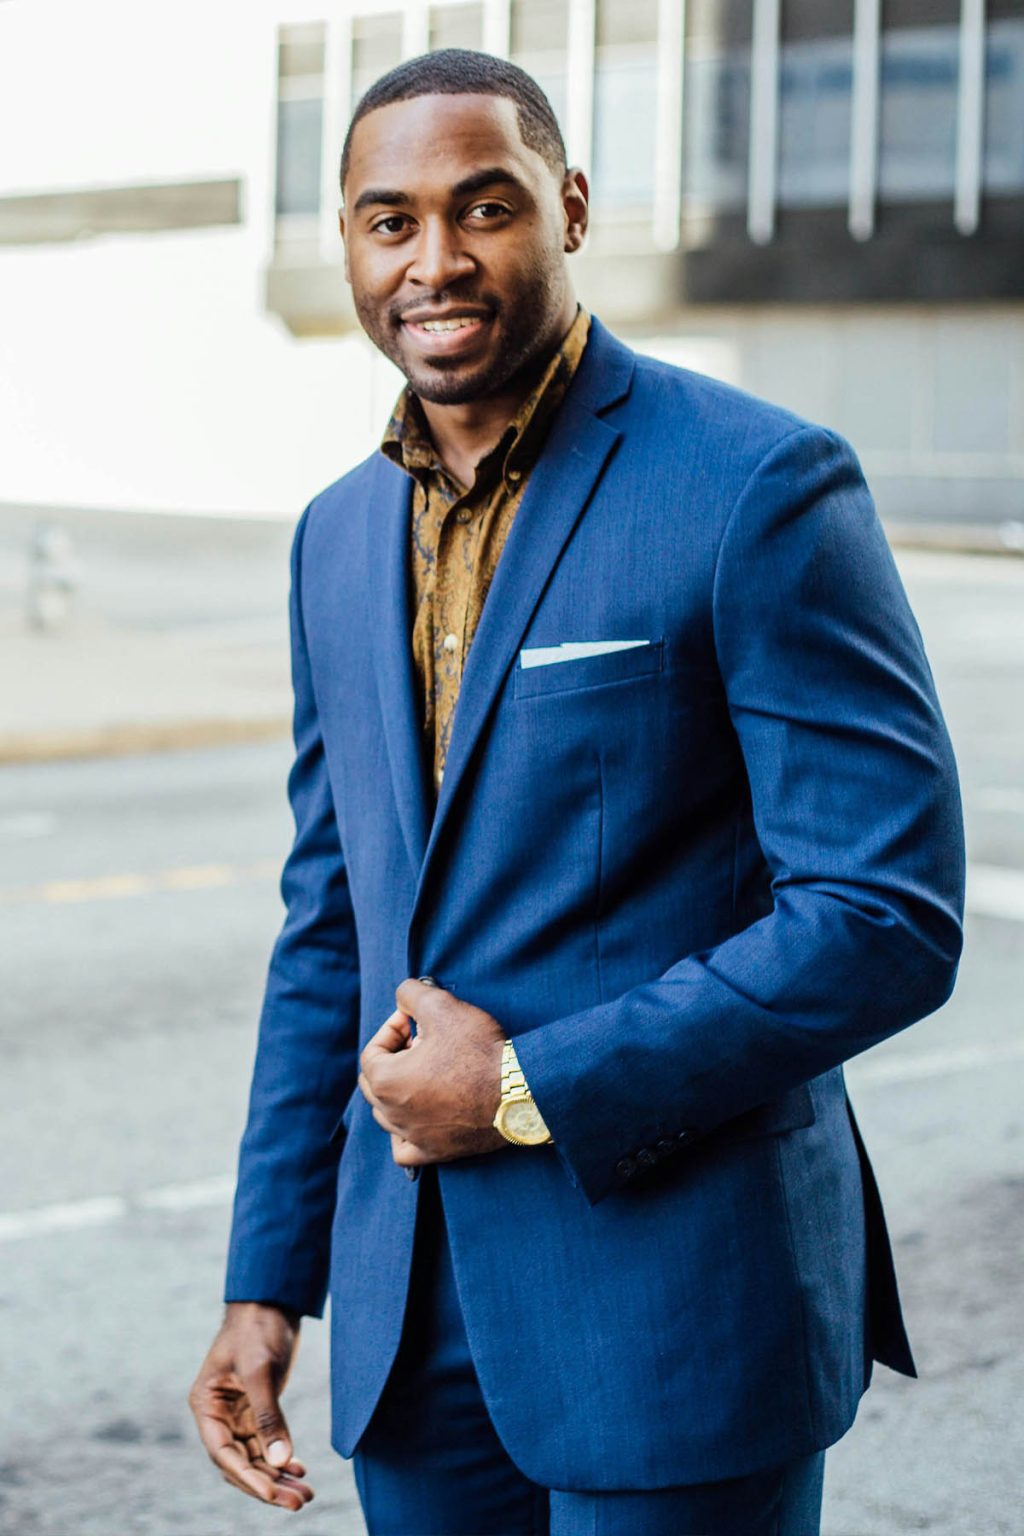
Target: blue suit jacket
691,878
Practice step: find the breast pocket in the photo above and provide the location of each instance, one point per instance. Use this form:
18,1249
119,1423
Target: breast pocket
588,671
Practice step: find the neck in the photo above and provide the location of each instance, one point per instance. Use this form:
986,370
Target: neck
464,434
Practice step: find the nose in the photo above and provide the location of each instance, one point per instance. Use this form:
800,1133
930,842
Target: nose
439,258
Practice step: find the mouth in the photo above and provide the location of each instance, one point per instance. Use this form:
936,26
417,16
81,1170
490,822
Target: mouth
445,333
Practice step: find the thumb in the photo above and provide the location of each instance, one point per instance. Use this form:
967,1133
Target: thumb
275,1439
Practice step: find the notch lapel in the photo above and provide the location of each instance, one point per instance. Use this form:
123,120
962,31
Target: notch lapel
557,493
387,574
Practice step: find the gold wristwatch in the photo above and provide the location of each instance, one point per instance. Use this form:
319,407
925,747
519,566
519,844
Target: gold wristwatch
518,1118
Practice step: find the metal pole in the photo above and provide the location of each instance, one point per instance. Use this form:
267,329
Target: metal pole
668,151
970,122
764,122
580,104
864,119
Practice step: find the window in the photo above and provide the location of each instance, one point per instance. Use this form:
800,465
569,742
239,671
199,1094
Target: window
456,26
539,40
716,106
920,79
815,102
1004,108
625,106
376,48
300,108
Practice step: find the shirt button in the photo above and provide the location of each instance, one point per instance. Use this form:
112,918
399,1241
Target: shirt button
451,642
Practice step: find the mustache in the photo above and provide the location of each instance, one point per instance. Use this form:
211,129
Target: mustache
443,297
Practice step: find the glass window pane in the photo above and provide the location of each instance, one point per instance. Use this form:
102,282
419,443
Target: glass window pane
540,31
298,156
624,133
815,84
300,50
626,21
376,48
625,105
539,26
1004,108
716,108
456,26
920,78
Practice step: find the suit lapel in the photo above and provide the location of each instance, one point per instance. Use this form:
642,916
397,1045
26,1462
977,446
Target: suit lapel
559,488
387,568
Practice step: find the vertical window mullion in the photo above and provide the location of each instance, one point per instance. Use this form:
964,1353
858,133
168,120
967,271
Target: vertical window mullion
668,166
497,27
415,29
864,119
764,121
580,84
970,117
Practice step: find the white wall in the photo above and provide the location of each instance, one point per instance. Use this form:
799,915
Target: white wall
142,370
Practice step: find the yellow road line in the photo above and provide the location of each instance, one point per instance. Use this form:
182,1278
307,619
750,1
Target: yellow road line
194,877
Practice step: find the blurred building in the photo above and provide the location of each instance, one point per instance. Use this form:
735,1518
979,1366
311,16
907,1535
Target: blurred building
820,200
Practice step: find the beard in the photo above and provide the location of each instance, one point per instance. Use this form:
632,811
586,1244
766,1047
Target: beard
524,327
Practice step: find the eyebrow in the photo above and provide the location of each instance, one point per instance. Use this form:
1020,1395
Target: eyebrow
490,176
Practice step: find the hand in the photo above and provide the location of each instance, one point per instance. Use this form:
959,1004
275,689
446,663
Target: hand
436,1092
235,1403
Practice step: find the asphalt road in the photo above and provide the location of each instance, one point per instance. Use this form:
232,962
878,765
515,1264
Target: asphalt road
138,905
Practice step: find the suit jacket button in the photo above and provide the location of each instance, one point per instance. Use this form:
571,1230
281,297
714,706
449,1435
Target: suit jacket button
645,1158
625,1167
665,1146
684,1136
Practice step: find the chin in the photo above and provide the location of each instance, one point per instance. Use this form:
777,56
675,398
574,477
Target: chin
455,387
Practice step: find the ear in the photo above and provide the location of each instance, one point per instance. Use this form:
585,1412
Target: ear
576,207
344,242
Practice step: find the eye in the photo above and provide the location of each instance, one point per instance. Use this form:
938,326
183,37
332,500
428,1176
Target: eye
487,213
391,224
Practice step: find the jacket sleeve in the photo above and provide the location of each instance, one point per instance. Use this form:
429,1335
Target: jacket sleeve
857,811
306,1058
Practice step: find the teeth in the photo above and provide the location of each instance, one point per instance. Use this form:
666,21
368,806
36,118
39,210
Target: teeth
458,324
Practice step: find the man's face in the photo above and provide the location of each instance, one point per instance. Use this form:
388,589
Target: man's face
455,239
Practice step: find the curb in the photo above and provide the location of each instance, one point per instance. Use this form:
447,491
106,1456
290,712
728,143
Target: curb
127,739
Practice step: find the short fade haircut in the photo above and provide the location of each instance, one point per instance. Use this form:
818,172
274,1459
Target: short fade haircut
464,72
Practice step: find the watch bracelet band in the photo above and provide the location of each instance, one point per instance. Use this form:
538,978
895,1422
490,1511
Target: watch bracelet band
515,1086
513,1083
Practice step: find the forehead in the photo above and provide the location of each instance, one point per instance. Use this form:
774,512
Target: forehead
433,141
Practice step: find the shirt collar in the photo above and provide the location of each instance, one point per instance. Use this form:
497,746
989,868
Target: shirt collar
407,441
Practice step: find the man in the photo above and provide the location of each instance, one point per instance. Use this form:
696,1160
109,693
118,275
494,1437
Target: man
611,717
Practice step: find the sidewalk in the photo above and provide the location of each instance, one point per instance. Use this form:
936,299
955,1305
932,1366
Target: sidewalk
175,637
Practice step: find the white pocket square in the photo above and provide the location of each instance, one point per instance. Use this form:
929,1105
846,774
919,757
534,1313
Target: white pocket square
572,650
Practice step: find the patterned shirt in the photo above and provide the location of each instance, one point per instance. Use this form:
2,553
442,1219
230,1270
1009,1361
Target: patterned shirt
458,532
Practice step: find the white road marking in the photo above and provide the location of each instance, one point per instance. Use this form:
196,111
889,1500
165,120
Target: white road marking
28,824
994,891
208,1194
998,798
909,1067
189,1197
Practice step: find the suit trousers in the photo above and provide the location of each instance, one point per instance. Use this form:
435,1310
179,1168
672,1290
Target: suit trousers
430,1462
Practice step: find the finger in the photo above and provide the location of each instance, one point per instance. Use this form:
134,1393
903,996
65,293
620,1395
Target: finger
274,1439
239,1470
393,1035
407,1154
420,999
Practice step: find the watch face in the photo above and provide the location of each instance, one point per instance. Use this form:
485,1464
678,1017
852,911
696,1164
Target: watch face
522,1119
